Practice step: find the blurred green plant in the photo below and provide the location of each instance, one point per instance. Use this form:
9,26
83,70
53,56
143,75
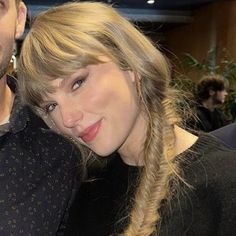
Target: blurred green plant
215,62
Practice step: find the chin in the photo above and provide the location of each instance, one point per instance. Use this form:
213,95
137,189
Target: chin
103,152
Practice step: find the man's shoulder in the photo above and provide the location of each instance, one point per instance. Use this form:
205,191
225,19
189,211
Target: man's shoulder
43,139
227,135
34,120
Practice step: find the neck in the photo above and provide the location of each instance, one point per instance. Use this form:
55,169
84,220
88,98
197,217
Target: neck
209,104
6,99
131,151
184,140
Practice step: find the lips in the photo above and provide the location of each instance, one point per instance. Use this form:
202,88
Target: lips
89,134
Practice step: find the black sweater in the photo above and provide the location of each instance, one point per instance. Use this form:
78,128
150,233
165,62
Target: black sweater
208,208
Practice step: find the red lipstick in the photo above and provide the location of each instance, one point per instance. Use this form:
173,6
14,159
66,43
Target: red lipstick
90,133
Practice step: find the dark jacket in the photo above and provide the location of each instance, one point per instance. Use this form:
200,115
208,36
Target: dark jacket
38,175
207,120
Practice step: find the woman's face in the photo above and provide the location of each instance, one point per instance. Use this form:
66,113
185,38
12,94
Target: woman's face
98,106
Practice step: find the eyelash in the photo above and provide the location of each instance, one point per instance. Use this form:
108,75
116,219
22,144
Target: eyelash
47,108
78,82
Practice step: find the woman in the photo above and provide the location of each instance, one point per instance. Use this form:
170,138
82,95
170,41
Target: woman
105,85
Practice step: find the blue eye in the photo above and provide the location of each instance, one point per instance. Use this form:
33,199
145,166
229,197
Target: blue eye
50,107
78,83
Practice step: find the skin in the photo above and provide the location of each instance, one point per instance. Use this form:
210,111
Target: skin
100,101
220,96
105,98
216,98
12,23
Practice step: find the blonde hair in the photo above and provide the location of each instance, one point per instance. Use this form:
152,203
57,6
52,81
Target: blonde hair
17,2
74,35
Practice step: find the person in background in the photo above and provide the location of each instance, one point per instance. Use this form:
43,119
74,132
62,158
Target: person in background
210,92
38,168
104,84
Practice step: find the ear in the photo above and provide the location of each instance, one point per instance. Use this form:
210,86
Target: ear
211,92
21,19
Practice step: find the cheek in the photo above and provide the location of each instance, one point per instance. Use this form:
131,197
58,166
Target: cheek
117,104
8,25
6,44
7,37
98,99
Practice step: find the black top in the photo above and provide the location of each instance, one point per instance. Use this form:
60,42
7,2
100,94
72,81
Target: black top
37,175
208,208
207,120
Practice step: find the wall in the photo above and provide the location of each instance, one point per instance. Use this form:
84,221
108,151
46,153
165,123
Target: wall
212,24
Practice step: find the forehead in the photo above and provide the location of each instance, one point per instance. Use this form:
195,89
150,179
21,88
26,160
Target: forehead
11,3
8,14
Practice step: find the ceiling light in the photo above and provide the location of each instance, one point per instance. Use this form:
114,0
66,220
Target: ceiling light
150,1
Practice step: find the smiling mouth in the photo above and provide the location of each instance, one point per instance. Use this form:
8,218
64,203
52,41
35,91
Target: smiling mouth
90,133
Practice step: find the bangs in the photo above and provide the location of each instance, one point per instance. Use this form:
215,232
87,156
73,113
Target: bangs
57,46
53,54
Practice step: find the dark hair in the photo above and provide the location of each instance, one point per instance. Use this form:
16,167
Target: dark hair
210,82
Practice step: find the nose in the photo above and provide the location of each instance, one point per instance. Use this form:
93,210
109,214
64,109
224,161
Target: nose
71,116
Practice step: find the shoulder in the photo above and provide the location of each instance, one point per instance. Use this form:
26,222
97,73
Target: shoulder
41,134
212,179
205,202
227,134
42,145
209,166
210,158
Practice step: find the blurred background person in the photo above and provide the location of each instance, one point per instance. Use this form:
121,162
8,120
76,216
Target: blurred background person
211,92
